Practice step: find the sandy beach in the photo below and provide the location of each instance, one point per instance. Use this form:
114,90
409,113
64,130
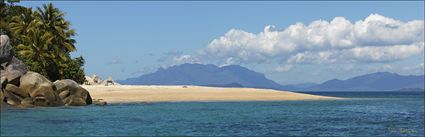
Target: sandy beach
137,94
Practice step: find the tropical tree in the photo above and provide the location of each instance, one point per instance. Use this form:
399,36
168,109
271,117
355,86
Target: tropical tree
53,20
23,23
7,11
35,49
43,40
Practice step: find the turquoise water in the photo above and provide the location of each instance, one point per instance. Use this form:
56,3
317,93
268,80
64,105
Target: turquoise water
375,114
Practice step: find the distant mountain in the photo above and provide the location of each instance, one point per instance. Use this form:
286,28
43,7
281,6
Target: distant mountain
238,76
411,89
204,75
380,81
297,87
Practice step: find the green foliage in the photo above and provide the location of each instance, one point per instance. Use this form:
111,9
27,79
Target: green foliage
42,39
73,69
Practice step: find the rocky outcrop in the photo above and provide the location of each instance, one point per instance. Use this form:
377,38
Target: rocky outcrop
11,67
99,102
11,70
71,93
96,80
40,89
93,80
23,88
6,52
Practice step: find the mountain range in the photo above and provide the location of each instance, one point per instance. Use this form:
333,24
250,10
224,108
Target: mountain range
204,75
238,76
379,81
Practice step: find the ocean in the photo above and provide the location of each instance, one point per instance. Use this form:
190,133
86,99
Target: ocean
367,114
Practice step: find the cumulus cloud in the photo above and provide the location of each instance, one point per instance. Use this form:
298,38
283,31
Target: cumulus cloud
375,39
359,54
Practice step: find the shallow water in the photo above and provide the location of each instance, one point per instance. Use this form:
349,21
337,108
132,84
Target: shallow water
370,114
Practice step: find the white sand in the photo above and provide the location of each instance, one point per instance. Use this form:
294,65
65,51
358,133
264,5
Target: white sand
135,94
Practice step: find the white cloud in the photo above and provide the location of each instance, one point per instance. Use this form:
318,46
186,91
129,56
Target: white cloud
229,61
385,53
374,39
419,69
284,68
314,57
358,54
387,67
185,59
176,58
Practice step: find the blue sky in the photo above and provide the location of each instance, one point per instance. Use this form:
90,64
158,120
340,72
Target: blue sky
128,39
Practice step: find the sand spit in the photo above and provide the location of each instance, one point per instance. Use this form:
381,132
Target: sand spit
139,94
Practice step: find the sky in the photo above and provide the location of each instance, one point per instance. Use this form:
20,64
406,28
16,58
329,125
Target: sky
290,42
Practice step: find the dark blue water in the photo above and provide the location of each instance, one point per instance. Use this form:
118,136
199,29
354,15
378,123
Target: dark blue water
370,114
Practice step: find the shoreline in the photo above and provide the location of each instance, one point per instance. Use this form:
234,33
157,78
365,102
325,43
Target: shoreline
124,94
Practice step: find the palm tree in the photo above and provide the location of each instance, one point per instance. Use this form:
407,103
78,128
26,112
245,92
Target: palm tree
44,58
7,11
37,46
22,24
44,40
53,21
